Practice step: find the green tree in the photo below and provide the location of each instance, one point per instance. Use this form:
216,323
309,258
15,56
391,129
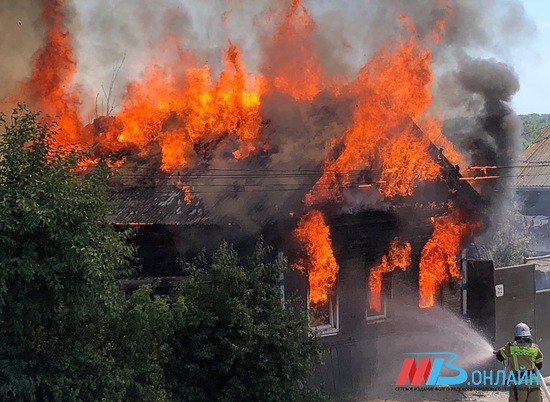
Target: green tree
237,341
533,124
60,306
68,334
139,343
507,241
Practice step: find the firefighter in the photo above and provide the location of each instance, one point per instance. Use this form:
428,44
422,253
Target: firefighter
522,355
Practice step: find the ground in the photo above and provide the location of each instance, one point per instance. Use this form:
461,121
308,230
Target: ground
470,396
467,396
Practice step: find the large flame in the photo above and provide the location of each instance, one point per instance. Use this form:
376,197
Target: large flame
392,91
398,256
299,75
180,108
313,235
438,261
50,88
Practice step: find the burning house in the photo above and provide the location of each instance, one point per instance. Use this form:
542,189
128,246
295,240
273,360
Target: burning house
345,168
344,259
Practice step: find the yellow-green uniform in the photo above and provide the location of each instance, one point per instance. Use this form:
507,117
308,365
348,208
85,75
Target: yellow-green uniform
523,357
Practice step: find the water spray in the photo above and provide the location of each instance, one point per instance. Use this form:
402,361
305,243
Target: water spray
543,385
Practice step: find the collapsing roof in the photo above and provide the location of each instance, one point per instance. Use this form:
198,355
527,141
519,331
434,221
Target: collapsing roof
159,204
167,203
443,205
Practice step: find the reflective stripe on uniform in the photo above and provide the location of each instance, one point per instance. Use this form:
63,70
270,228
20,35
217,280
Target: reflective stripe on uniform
523,350
515,366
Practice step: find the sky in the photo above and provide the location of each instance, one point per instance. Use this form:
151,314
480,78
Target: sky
534,66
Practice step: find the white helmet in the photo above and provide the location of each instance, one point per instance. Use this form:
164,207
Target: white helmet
522,330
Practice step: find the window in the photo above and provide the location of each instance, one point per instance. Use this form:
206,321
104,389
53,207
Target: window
372,314
324,317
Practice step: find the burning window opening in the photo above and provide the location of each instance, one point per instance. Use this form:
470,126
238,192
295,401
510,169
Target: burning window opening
398,256
439,257
318,263
377,315
324,317
373,315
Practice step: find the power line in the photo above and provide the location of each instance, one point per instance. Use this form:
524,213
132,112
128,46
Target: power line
253,172
239,180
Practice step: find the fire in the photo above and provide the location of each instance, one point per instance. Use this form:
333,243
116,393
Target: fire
392,91
299,74
229,106
180,108
438,261
50,88
313,235
187,196
432,129
398,256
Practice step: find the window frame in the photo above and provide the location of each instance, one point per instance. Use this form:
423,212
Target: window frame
385,296
382,315
333,326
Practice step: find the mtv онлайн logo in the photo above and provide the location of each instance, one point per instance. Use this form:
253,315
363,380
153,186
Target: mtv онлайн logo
429,369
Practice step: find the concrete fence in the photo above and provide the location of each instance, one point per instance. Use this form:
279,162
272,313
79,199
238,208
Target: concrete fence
499,298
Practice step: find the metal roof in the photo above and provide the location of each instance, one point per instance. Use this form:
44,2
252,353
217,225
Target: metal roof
149,205
163,204
538,153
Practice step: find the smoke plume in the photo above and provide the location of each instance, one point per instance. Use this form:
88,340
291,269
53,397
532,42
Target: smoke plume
323,64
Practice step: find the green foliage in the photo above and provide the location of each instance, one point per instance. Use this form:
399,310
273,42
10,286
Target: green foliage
59,262
532,127
507,242
68,334
237,341
139,340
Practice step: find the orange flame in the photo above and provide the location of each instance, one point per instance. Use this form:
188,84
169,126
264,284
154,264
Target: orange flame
298,74
438,261
180,109
182,106
50,88
391,90
439,27
432,129
187,196
313,235
398,256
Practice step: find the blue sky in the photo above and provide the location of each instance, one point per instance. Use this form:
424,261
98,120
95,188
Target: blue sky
534,70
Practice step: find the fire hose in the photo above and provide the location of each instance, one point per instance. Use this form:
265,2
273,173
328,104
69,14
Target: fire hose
543,385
